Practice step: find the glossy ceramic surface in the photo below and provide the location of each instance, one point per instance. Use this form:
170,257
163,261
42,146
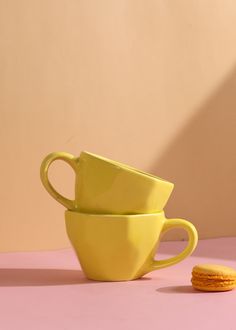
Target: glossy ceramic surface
106,186
119,248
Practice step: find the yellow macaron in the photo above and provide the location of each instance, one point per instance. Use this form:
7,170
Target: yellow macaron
207,277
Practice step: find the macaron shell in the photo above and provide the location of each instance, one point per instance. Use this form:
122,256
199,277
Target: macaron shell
214,286
214,270
213,289
216,277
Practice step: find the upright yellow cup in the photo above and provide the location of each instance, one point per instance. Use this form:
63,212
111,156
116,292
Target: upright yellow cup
106,186
122,247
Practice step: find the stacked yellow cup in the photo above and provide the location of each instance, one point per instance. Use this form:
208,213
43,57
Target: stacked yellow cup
116,219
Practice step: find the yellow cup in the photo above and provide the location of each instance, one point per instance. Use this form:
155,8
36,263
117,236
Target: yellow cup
106,186
122,247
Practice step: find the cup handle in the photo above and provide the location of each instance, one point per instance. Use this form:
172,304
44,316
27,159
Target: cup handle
193,238
69,159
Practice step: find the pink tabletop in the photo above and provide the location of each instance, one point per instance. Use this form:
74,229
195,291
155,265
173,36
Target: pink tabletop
47,290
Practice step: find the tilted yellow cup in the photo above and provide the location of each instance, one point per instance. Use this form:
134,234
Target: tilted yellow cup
122,247
106,186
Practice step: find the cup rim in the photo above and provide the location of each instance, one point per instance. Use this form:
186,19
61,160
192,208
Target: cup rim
127,167
107,215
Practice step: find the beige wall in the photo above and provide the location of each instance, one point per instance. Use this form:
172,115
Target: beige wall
149,83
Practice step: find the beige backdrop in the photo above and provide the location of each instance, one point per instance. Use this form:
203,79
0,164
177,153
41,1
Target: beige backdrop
149,83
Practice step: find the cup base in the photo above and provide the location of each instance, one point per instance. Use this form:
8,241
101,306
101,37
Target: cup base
95,279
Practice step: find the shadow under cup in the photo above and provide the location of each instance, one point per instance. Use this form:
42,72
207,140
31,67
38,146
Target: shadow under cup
122,247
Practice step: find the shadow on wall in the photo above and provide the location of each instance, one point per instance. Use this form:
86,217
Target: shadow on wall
201,161
216,248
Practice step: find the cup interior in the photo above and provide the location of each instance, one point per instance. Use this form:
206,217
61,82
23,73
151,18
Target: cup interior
126,167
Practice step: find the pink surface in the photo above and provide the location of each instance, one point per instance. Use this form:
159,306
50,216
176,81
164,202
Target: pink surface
46,290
